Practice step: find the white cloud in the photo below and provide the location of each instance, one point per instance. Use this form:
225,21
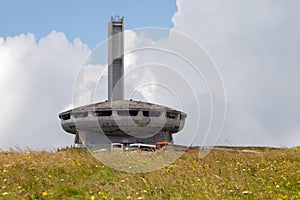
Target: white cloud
86,83
36,83
255,44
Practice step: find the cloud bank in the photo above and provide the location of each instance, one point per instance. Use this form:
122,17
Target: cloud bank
36,83
255,45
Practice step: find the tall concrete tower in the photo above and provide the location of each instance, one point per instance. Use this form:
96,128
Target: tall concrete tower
116,59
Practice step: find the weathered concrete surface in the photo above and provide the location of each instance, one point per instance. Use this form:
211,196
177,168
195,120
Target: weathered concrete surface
123,121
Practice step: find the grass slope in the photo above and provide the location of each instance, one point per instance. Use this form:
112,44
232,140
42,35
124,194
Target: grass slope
75,174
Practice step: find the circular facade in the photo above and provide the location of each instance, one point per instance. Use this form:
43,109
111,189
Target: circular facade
131,119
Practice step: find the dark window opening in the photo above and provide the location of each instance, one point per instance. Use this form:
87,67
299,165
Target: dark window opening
133,112
81,114
66,117
146,113
127,112
105,113
182,117
171,115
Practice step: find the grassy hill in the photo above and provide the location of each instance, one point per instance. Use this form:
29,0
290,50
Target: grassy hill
75,174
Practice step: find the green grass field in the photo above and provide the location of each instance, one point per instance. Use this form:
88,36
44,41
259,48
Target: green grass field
75,174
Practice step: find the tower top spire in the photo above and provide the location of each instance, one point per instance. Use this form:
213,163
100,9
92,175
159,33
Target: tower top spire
117,18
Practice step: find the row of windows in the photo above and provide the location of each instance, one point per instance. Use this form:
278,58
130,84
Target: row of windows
107,113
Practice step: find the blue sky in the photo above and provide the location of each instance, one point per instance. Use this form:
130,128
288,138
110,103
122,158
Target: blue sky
86,20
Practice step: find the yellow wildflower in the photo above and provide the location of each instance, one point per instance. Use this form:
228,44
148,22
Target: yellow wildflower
45,193
93,197
5,193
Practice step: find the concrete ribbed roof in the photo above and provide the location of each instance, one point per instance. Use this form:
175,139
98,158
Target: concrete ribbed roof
120,104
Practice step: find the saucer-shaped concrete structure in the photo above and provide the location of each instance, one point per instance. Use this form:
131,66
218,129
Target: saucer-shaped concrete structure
123,121
117,120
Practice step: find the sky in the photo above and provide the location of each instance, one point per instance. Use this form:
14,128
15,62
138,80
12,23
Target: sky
87,21
255,45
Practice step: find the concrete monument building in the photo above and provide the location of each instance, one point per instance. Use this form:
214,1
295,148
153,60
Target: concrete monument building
117,120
